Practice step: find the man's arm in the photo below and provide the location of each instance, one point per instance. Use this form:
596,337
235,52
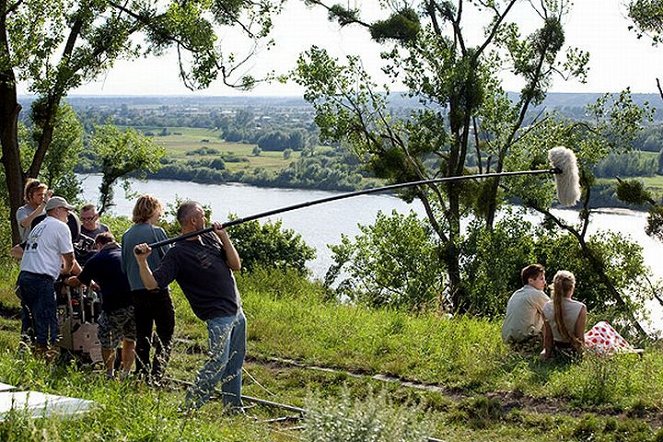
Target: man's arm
69,263
16,252
232,257
145,273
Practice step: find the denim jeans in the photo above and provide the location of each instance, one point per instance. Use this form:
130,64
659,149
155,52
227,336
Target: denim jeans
227,347
38,302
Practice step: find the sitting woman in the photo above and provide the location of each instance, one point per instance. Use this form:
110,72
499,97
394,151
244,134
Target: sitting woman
564,319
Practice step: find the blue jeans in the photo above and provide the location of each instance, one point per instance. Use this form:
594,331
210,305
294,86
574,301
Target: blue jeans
227,347
38,303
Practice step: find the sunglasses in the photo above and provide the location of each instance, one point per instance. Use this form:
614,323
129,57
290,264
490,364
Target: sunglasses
88,218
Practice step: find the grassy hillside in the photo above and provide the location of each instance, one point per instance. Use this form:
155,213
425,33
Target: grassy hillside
342,359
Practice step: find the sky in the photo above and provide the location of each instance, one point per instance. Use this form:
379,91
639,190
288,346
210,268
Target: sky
617,58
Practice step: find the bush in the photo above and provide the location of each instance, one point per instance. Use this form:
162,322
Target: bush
371,419
269,246
394,262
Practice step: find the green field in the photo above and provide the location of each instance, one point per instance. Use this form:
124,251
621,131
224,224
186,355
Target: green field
183,140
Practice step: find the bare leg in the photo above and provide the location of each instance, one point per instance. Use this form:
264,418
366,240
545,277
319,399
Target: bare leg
108,355
128,355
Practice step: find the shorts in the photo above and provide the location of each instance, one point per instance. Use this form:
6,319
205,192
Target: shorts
116,325
532,344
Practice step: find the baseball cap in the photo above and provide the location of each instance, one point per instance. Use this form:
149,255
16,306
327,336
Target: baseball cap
57,201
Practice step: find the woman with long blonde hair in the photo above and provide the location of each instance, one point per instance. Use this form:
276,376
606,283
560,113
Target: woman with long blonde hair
564,319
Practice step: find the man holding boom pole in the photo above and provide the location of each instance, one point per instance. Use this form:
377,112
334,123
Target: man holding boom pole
202,265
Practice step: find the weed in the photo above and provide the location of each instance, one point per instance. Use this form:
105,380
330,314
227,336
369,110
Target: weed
372,418
480,412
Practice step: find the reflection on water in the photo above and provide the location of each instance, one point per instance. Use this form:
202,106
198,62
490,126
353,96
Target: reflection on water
325,223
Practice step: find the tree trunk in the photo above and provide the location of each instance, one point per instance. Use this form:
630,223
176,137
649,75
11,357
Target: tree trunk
9,111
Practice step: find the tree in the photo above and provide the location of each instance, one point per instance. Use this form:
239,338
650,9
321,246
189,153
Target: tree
121,153
465,108
66,147
647,17
392,263
56,45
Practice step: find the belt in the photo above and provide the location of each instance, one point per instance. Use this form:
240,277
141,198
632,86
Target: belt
38,275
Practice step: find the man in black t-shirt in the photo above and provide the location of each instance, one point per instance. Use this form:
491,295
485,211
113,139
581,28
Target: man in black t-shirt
117,312
203,267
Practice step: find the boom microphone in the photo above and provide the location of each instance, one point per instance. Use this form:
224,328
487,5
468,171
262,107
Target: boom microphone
566,181
562,160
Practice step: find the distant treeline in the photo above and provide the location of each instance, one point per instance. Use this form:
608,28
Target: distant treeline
287,125
326,170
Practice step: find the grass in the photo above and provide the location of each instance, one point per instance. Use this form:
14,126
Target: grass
189,139
486,391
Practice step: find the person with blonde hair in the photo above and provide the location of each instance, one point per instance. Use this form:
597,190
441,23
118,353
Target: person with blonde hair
153,308
564,319
36,195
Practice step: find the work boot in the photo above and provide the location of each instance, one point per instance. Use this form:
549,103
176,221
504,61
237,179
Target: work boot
48,354
39,351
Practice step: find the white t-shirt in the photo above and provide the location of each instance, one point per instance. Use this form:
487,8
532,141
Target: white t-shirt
45,245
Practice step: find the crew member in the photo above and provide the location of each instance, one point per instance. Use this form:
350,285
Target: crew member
203,267
90,225
152,308
36,196
116,320
48,245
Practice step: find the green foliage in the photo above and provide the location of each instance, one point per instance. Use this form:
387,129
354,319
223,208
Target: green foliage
395,262
268,245
634,192
655,222
648,18
494,260
402,25
63,155
625,165
373,418
121,153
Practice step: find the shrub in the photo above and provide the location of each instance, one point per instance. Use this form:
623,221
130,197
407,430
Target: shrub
371,419
268,245
393,262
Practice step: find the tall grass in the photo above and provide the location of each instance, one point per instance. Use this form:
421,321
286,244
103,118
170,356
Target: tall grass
463,353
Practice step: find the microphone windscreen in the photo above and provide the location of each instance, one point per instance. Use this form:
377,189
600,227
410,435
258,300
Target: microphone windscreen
567,182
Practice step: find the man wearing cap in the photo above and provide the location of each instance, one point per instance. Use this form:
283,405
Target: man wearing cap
47,248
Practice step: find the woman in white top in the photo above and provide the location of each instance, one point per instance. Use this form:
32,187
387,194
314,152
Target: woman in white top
564,318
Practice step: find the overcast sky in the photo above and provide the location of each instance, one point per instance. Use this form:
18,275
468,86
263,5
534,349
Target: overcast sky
617,58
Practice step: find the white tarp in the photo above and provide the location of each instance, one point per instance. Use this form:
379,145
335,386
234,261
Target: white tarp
39,404
6,387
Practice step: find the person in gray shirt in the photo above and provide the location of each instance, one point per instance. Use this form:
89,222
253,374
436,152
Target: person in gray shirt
153,308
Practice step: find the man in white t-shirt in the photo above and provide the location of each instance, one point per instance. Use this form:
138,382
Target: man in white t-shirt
523,325
48,252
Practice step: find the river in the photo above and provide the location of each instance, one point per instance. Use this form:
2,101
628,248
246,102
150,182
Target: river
325,223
